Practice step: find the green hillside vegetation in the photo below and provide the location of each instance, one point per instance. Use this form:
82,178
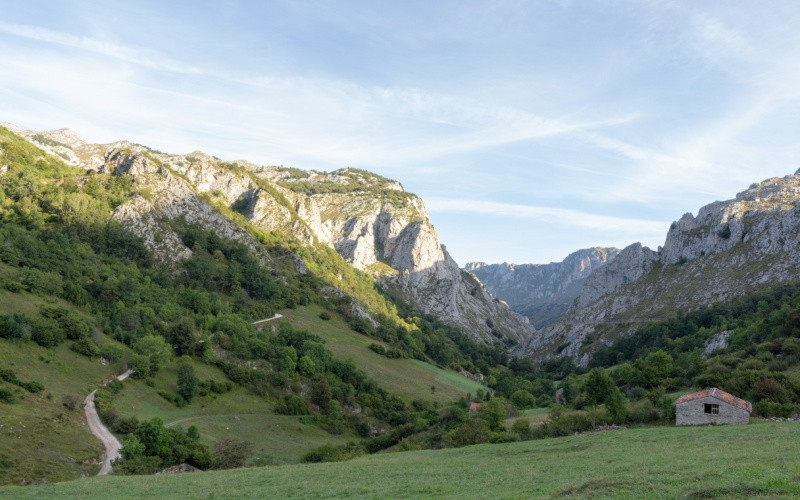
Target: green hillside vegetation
43,434
186,330
760,363
757,460
409,379
238,415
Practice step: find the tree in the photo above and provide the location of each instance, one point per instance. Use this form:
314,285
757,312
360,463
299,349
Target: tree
656,367
187,381
306,366
493,412
598,387
288,359
617,405
523,399
155,348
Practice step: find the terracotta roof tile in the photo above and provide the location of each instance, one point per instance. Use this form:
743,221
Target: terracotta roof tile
718,394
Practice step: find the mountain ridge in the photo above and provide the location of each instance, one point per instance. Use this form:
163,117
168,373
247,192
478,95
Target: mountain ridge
370,221
542,292
728,249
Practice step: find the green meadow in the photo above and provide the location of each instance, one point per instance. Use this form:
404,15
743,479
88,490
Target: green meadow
756,460
407,378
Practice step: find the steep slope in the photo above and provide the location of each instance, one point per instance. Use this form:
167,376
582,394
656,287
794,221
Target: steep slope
728,249
542,292
371,222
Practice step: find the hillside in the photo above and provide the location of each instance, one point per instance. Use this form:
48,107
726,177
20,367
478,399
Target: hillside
370,222
541,292
729,249
172,293
758,460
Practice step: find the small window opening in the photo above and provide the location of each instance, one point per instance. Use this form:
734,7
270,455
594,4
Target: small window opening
712,409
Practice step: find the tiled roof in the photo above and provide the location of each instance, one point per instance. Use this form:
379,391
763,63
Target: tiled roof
718,394
474,406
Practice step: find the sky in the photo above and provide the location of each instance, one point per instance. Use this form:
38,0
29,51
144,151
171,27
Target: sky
530,128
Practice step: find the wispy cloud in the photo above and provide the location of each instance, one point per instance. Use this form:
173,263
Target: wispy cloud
550,215
141,56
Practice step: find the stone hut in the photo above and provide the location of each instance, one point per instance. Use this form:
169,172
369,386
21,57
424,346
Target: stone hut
711,406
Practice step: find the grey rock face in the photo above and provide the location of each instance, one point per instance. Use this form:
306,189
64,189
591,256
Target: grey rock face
728,249
542,292
370,221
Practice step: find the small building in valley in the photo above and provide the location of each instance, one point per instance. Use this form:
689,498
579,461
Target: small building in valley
711,406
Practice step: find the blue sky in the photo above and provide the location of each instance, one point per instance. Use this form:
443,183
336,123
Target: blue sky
530,128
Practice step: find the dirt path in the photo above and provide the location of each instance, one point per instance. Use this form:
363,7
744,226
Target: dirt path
268,319
110,442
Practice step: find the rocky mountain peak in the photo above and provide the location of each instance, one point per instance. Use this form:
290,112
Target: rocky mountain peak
728,249
542,292
369,220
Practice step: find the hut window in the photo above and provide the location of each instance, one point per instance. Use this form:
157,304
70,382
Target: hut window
712,409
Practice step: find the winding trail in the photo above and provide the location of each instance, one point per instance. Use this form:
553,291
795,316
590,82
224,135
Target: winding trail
110,442
268,319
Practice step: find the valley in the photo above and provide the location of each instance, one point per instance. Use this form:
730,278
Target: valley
275,318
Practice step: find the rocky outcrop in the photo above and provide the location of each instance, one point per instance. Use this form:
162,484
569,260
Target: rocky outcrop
370,221
542,292
728,249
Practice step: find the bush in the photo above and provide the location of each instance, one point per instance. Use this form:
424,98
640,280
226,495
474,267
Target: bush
325,315
7,395
331,453
292,405
32,386
14,326
521,426
47,332
112,352
86,347
71,401
230,454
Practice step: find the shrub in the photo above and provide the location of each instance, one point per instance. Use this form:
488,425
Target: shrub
86,347
521,426
7,395
292,405
71,401
112,352
331,453
229,454
32,386
47,332
325,315
14,326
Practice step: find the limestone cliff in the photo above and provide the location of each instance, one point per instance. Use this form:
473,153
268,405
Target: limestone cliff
542,292
728,249
370,221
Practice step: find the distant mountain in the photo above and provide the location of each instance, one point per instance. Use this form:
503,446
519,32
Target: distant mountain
729,249
541,292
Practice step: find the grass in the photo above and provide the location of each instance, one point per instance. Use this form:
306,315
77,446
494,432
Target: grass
534,416
760,459
407,378
40,439
239,415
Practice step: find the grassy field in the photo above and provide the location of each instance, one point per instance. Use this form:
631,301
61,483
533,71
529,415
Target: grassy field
41,439
760,459
236,415
534,416
407,378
